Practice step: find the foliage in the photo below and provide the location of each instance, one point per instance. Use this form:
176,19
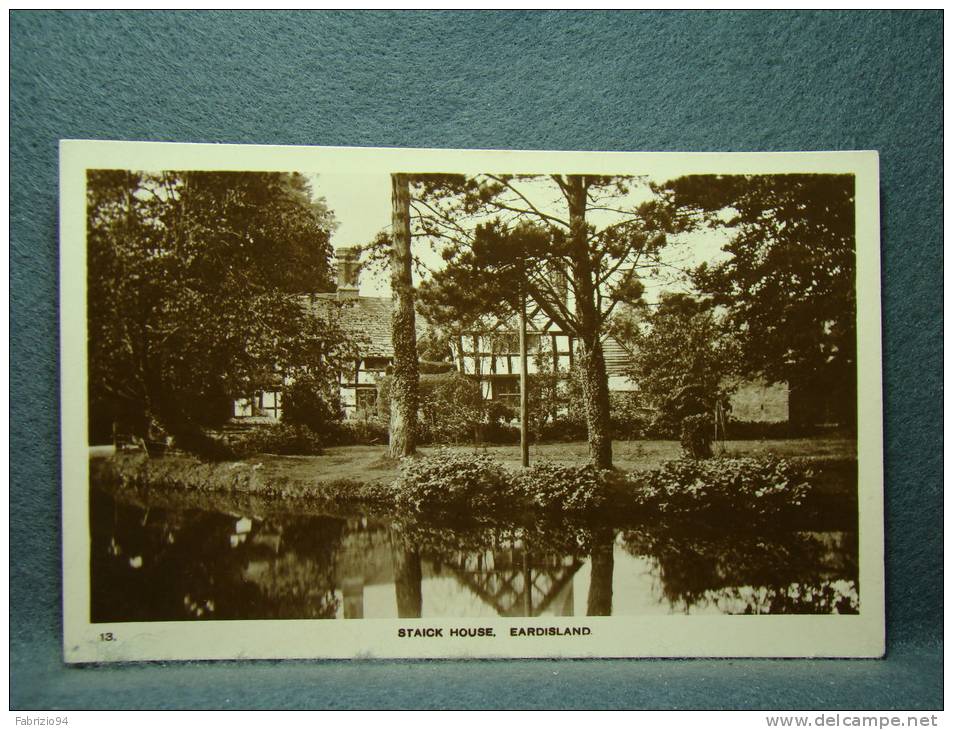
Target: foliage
565,430
496,432
536,537
502,249
452,482
460,483
697,436
280,438
436,367
547,399
361,431
750,572
433,348
629,419
453,411
497,243
451,408
314,403
485,279
683,356
562,487
195,284
499,412
788,283
758,487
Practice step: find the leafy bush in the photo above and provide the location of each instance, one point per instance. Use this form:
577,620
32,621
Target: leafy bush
281,438
193,439
557,410
764,487
435,367
629,418
500,433
499,412
562,487
696,436
456,482
565,430
451,408
451,481
362,432
315,406
660,429
549,399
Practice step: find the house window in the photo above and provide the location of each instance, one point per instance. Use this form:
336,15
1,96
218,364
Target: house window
506,389
270,403
265,403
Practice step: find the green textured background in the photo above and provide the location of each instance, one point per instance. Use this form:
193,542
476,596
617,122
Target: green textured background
599,81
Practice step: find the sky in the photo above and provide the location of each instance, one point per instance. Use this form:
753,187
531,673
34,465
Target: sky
362,205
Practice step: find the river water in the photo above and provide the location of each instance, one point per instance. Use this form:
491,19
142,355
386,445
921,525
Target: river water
170,559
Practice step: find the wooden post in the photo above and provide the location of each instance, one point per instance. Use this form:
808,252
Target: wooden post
524,395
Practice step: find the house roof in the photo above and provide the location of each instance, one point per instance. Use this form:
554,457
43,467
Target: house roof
537,323
369,318
617,356
366,318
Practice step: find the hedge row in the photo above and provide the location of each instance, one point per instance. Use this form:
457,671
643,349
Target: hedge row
459,483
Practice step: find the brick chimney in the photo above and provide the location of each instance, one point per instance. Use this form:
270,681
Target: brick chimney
348,261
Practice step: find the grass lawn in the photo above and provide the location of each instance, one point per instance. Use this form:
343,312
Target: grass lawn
366,463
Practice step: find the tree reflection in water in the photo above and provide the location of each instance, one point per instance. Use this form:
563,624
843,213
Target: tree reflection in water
407,579
739,573
602,561
154,563
163,565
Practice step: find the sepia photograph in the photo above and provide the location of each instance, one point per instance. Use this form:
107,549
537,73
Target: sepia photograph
334,402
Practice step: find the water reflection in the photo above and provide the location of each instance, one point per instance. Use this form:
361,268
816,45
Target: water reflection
173,562
799,572
602,562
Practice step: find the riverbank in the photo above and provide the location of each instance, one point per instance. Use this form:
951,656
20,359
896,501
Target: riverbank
363,476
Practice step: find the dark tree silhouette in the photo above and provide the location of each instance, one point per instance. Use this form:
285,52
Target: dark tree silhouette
788,284
195,287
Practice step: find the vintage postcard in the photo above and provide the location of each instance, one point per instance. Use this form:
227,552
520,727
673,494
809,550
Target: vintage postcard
327,402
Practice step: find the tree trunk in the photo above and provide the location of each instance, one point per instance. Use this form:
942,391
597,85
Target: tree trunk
407,576
404,390
592,364
602,562
524,387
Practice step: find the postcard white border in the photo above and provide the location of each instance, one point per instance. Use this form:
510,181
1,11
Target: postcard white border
615,636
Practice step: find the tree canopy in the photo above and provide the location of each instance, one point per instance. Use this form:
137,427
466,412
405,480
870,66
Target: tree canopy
684,357
575,245
196,286
788,283
496,231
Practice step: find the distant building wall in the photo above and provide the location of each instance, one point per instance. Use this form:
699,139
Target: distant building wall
622,384
760,402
